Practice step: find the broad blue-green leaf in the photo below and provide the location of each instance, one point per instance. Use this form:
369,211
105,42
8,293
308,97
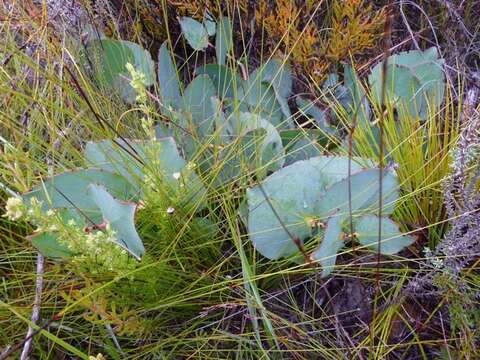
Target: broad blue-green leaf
142,62
209,24
224,126
107,155
290,136
224,79
111,157
392,240
120,216
364,193
69,190
331,243
47,243
270,148
303,148
359,106
163,131
113,58
276,72
309,109
224,40
331,81
197,104
259,97
258,147
279,75
169,85
390,194
401,87
194,32
415,81
294,192
113,55
428,68
285,108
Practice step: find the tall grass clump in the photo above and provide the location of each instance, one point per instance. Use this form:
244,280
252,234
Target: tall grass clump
237,188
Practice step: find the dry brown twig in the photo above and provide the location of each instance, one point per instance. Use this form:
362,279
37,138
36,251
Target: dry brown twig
36,307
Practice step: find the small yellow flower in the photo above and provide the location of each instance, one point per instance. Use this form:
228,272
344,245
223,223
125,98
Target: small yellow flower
98,357
137,82
191,165
14,208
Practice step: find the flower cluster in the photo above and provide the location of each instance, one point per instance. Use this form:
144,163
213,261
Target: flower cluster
98,357
137,82
14,208
91,250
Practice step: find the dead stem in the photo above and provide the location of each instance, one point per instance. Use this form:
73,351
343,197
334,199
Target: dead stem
36,307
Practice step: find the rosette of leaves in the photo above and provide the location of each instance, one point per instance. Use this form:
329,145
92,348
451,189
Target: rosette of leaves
219,106
310,199
109,190
217,95
414,86
415,82
345,99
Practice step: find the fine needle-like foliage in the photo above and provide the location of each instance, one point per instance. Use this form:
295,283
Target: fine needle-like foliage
203,179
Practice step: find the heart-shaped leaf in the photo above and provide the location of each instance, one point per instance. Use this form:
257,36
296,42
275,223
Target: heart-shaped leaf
209,24
359,106
278,75
270,148
113,56
276,72
365,186
259,97
415,82
142,62
309,109
303,148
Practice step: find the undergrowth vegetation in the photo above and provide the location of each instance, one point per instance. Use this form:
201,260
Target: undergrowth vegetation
223,179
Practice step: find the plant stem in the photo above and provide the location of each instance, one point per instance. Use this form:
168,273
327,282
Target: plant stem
36,306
